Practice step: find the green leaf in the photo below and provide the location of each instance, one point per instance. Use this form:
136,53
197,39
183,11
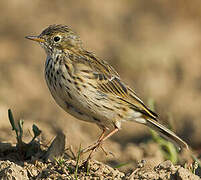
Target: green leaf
77,162
36,130
20,125
11,119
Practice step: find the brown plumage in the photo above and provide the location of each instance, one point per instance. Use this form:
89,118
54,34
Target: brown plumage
89,88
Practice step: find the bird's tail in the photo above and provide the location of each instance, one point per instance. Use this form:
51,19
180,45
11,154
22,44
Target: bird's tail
166,133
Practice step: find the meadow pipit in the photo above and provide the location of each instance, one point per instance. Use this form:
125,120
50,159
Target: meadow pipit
89,88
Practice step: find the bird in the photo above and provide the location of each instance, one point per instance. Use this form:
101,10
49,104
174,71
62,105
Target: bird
90,89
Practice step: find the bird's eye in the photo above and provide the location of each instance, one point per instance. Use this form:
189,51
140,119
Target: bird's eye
57,39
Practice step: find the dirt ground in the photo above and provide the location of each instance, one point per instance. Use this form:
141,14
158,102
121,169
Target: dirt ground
52,163
154,46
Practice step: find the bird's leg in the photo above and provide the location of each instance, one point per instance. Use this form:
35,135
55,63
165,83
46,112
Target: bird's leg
99,143
91,147
102,135
110,134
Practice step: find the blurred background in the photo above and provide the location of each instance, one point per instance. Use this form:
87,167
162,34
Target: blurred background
154,45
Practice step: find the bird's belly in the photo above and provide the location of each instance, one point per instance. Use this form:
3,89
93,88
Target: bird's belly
83,106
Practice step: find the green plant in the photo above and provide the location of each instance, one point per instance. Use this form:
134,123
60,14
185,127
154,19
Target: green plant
121,165
168,149
25,149
77,163
195,164
60,161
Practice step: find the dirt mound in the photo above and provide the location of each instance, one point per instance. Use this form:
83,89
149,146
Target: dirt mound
52,163
52,170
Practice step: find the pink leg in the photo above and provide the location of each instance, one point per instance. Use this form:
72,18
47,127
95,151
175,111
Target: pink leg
98,144
110,134
102,135
91,147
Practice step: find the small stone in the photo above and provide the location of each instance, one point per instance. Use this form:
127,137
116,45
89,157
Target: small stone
183,174
11,171
166,165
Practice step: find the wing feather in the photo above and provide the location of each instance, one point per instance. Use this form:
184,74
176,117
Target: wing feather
122,92
108,81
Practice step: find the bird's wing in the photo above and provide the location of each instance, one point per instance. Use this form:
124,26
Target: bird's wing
117,88
109,82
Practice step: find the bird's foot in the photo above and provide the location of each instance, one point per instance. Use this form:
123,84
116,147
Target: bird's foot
92,147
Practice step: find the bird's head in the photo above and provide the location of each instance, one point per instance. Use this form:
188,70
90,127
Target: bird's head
57,38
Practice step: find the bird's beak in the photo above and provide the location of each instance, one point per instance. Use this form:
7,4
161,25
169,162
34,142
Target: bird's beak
35,38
